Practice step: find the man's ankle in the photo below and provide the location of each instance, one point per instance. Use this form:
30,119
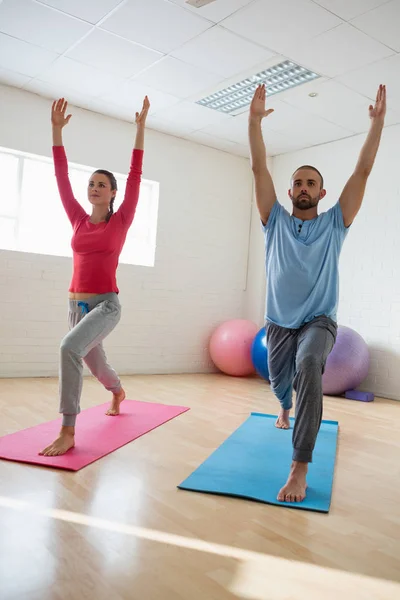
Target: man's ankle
299,467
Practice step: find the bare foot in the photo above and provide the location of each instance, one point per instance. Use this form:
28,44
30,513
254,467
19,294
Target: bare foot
282,421
295,488
64,442
113,411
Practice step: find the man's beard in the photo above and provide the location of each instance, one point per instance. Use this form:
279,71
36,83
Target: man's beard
305,202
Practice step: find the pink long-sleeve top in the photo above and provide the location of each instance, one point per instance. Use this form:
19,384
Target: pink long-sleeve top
97,247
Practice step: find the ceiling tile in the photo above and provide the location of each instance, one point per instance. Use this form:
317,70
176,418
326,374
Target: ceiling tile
279,142
236,130
283,146
303,128
212,141
78,99
334,102
283,118
382,24
233,130
24,58
240,150
192,115
130,94
217,10
79,77
314,131
221,52
366,80
105,108
279,149
348,9
40,25
266,22
54,91
12,78
108,52
219,144
392,117
340,105
177,78
177,130
340,50
155,24
91,11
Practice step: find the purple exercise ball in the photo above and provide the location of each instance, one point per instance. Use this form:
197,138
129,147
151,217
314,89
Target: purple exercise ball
348,363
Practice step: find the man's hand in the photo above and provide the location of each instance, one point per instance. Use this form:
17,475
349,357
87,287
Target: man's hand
257,106
379,110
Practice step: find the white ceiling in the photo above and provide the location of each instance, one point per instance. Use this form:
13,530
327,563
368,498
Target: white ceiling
105,55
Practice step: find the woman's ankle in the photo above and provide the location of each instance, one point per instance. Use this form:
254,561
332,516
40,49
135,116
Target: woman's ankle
67,430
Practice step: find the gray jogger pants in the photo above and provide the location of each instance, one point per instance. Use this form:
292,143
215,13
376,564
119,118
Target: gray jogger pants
89,323
297,359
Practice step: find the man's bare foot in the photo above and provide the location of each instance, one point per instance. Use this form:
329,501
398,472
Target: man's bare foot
295,488
282,421
113,411
64,442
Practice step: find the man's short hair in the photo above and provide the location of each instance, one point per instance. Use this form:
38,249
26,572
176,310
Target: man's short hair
312,169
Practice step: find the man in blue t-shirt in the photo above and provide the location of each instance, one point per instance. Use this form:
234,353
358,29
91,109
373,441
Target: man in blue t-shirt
302,264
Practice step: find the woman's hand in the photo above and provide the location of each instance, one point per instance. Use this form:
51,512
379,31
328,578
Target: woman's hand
140,121
141,117
58,110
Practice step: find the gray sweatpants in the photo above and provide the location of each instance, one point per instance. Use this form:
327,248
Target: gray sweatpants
296,360
89,323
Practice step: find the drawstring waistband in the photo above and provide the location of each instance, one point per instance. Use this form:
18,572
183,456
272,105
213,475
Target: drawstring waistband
84,307
88,304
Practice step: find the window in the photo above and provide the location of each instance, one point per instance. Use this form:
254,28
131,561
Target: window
30,201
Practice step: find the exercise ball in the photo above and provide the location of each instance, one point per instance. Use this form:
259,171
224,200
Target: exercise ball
348,363
230,346
259,354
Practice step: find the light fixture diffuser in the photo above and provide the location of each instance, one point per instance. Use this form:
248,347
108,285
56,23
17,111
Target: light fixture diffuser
277,79
199,3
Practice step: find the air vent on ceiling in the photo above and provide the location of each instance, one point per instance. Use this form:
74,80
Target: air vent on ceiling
199,3
279,78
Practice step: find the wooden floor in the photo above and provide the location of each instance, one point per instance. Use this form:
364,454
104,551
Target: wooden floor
120,529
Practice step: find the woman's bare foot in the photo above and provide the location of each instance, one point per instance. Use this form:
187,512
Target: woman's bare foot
282,421
64,442
295,488
113,411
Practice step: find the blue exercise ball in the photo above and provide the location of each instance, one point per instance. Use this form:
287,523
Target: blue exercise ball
259,354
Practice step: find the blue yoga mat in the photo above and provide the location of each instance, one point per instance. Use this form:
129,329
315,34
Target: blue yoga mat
254,463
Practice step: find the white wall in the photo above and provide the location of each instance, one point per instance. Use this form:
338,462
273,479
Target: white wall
370,261
201,258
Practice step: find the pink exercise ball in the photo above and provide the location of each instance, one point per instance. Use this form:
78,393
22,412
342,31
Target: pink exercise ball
230,347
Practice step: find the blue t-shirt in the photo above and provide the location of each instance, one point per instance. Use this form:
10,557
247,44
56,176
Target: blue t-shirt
302,264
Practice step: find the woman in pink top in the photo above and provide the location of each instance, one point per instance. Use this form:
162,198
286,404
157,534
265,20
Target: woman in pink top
97,242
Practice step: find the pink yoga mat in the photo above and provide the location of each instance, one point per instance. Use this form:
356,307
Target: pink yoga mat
96,434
